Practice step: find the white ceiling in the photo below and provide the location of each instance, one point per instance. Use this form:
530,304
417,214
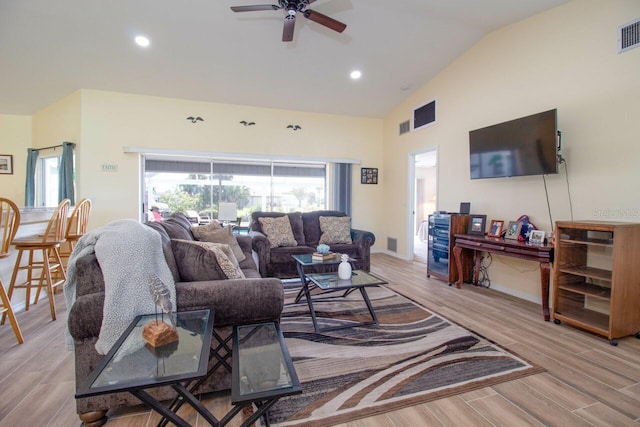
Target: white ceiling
201,50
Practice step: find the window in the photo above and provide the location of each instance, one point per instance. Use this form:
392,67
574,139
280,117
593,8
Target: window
47,178
195,187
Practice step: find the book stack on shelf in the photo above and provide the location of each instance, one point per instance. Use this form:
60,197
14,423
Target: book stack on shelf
331,256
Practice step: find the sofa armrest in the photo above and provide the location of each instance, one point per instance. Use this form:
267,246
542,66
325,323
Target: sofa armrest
262,246
234,301
364,240
85,317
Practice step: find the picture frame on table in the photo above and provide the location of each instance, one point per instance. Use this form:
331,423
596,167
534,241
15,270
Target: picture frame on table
495,228
6,164
537,237
513,230
477,224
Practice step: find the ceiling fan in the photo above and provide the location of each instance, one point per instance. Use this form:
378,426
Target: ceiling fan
293,7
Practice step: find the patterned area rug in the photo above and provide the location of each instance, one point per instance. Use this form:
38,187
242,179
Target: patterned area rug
412,356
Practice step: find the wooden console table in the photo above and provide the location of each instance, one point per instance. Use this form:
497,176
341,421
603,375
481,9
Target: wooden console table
512,248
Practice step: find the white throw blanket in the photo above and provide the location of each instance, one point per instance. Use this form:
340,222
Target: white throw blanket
129,253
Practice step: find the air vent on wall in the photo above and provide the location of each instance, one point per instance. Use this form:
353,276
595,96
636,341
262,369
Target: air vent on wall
392,244
424,115
629,36
405,127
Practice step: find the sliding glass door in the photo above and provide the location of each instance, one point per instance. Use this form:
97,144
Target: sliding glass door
196,187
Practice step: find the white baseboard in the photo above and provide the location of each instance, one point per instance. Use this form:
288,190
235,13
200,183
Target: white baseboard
390,253
517,294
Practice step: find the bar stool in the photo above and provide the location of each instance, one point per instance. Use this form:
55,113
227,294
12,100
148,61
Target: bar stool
10,221
76,228
48,245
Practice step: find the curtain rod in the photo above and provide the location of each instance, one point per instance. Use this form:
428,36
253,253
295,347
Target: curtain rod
53,146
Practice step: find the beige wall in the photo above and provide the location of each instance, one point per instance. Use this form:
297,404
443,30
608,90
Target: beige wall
112,121
565,58
15,138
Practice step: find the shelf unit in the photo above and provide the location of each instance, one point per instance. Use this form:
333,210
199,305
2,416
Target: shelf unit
596,280
442,228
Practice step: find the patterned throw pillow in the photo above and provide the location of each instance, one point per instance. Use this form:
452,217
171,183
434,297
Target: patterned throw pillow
335,229
220,235
201,266
278,231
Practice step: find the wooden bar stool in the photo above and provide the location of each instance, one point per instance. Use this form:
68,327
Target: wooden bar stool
10,221
76,228
48,245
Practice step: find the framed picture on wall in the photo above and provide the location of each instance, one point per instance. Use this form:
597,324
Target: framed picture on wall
6,164
477,224
369,175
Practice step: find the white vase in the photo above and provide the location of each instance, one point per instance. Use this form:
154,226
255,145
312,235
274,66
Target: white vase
344,269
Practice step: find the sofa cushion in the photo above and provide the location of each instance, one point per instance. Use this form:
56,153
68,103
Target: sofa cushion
311,223
295,218
205,261
177,227
278,231
283,255
335,230
220,235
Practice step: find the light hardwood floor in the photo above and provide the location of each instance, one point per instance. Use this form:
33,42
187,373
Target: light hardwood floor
588,382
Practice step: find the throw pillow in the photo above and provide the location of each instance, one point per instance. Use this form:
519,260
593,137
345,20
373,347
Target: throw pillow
205,261
278,231
335,229
212,226
220,235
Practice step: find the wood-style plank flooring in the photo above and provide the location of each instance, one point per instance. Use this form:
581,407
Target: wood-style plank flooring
588,382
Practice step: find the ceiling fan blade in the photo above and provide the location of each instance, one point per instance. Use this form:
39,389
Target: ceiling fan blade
289,25
255,8
325,20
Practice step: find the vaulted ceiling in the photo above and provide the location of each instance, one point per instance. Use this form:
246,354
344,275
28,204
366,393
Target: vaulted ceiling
201,50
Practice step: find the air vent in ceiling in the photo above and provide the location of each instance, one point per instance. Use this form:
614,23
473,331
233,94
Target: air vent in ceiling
405,127
629,36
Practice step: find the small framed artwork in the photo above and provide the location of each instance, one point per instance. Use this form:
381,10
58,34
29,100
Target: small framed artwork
513,230
477,224
537,237
495,229
369,175
6,164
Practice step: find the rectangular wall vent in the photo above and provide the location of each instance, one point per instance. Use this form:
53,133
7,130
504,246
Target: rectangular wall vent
629,36
424,115
405,127
392,244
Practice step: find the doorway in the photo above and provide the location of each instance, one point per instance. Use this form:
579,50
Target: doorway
424,182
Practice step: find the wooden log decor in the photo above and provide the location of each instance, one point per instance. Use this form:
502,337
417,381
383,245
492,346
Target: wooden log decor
157,333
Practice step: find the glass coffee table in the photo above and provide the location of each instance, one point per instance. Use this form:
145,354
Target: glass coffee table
330,282
133,366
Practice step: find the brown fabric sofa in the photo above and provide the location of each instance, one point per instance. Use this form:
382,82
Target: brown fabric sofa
235,301
278,262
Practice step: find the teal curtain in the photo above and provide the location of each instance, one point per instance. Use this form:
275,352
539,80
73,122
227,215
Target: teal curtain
342,187
65,180
30,186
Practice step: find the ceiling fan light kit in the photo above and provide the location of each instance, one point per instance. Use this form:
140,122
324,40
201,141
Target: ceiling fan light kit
292,7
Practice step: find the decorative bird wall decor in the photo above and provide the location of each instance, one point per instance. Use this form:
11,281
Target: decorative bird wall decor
246,123
294,127
195,119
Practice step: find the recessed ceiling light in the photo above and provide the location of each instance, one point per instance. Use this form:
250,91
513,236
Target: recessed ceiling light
355,75
142,41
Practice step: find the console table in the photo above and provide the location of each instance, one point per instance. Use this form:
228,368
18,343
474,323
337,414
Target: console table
542,254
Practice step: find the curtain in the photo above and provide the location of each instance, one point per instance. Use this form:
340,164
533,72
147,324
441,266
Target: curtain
65,179
342,187
30,185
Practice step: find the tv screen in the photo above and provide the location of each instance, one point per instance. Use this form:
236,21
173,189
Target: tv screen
524,146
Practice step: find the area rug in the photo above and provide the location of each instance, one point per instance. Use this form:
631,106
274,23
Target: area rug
413,356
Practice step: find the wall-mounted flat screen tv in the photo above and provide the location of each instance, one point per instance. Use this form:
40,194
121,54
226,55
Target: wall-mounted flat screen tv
524,146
